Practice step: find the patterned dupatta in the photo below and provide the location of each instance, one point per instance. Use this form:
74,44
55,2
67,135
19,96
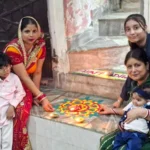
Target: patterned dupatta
19,46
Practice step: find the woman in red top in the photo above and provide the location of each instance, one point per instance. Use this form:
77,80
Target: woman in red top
27,53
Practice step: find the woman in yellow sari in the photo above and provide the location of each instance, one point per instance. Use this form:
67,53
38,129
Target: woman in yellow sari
27,53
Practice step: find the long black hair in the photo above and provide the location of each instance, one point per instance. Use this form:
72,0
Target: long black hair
138,54
26,21
4,60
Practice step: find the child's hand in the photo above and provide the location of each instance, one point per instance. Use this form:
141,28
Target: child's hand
10,112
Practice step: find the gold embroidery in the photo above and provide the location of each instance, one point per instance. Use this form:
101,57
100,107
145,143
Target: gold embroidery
15,46
33,55
24,131
28,146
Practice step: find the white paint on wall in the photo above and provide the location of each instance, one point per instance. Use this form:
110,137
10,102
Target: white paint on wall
57,31
147,12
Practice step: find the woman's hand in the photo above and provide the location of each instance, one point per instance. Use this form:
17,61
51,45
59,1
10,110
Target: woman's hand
10,112
135,113
47,106
116,104
36,102
105,110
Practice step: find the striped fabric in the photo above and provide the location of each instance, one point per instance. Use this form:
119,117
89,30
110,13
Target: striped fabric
106,142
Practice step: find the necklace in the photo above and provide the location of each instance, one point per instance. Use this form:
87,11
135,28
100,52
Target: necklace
29,51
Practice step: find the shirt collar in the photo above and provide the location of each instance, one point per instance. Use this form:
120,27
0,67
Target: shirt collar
6,79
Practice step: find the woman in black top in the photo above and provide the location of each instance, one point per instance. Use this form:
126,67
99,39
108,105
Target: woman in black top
136,31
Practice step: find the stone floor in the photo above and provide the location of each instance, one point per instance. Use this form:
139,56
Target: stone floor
89,106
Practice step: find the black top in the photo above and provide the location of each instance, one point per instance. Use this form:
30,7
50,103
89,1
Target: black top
125,94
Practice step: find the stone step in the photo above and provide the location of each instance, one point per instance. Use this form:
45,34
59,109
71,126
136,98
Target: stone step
113,24
101,53
109,53
130,5
86,42
90,85
124,5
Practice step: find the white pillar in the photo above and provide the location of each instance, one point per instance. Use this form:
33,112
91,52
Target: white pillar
146,11
57,31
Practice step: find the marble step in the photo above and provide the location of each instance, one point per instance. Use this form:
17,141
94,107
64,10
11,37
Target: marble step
90,85
86,42
124,5
113,24
131,5
109,55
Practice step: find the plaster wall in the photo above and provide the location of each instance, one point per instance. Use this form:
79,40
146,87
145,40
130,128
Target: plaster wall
146,11
82,17
57,30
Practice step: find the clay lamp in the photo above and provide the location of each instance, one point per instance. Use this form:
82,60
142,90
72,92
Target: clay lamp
79,119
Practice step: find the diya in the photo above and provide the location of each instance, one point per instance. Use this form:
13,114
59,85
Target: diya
54,115
79,119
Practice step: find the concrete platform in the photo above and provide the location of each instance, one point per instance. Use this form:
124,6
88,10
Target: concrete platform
64,133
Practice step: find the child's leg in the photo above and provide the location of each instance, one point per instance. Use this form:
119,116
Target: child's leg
7,134
136,141
119,141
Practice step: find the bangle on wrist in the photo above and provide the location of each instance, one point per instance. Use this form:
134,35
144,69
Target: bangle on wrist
40,97
147,114
114,111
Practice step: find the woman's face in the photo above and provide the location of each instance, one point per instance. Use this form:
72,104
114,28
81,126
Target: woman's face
137,70
134,32
30,34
